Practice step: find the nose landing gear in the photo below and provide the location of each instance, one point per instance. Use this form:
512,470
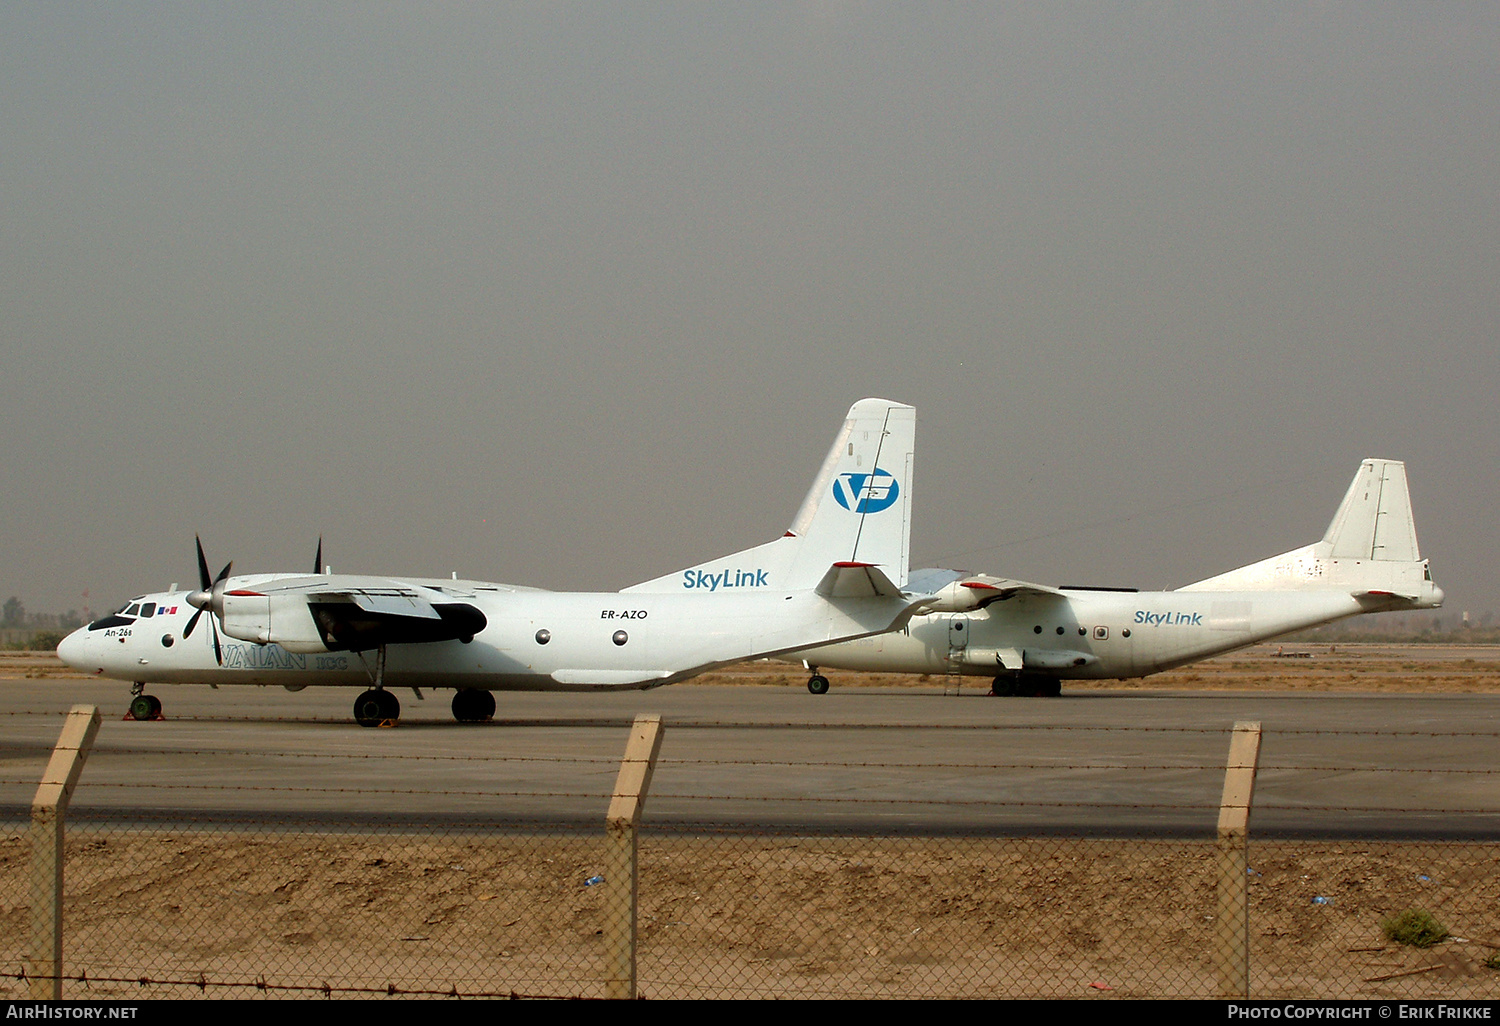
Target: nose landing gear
142,705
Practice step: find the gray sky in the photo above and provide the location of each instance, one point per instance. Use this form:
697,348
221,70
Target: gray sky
573,295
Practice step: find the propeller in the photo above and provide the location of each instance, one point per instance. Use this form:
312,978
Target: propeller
318,559
210,595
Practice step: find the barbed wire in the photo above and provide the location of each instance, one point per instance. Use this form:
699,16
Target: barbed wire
716,724
610,763
201,982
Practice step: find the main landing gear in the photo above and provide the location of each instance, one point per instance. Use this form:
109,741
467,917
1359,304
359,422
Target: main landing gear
376,708
1026,685
142,705
471,705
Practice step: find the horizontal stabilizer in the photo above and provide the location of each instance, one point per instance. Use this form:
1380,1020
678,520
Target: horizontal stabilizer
856,580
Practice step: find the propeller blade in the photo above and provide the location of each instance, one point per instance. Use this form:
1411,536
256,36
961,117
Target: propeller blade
318,559
209,596
205,582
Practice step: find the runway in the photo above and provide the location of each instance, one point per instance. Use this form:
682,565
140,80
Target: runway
861,760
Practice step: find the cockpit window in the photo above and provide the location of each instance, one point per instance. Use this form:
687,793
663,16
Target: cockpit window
113,620
148,608
131,610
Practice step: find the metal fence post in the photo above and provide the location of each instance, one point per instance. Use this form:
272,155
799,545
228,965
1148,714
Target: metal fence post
1232,925
620,877
48,810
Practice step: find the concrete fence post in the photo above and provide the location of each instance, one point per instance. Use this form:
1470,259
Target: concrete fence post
1232,925
48,811
620,875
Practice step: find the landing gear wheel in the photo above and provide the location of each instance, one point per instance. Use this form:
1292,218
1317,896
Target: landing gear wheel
471,705
145,707
1004,687
1033,685
374,708
817,684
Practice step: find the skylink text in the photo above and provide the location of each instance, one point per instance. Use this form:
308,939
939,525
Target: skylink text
713,582
1169,619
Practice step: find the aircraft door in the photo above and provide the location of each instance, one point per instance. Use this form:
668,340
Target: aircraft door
958,638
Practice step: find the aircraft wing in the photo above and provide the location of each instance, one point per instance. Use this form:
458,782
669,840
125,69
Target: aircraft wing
967,592
339,613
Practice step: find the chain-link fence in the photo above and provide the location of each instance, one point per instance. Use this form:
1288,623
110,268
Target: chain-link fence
1049,917
749,886
188,905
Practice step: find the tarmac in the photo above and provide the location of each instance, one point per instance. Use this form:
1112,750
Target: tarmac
865,760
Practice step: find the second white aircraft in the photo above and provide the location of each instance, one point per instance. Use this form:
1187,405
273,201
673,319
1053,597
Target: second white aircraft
1031,637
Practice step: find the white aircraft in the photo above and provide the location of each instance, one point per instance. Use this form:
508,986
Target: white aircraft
830,577
1030,637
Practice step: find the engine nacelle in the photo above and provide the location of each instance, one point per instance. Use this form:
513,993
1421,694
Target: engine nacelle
271,620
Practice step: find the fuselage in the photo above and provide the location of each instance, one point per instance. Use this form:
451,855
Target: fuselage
1086,635
532,639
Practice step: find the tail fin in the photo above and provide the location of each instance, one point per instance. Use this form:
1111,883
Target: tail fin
1374,521
1369,550
858,511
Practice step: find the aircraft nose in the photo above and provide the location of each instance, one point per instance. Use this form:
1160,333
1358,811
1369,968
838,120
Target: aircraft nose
73,649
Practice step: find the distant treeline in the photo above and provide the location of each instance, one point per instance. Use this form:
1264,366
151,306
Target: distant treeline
42,631
35,631
1407,628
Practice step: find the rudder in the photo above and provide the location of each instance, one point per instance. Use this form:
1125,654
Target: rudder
1375,520
858,510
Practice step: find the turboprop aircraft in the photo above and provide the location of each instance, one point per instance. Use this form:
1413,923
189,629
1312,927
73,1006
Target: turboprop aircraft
1031,637
832,576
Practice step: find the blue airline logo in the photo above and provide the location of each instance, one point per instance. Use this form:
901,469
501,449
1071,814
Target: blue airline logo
866,493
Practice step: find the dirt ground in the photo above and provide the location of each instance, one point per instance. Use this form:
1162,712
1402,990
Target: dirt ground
199,913
1273,667
188,914
1270,667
